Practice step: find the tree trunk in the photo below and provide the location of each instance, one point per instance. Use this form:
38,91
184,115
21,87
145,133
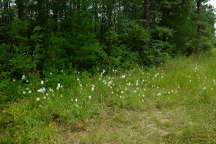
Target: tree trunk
199,8
20,9
7,17
146,14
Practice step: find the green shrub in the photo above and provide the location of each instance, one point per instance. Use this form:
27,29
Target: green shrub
134,37
4,57
118,54
22,61
9,90
123,48
155,55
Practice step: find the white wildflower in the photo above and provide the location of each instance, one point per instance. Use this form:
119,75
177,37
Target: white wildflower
41,90
196,68
14,80
158,94
114,70
123,76
29,91
23,77
37,99
104,71
110,83
93,88
157,74
90,97
51,90
42,82
24,92
59,86
129,84
214,82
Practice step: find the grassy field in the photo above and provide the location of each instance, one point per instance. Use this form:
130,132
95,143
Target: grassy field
172,104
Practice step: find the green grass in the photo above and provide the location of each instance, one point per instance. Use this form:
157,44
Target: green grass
172,104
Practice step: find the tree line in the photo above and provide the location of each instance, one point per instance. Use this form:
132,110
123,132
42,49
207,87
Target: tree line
39,35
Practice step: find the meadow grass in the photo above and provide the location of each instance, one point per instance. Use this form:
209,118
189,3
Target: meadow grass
173,104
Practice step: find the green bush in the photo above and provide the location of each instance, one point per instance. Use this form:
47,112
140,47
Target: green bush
116,53
155,55
4,57
134,37
9,90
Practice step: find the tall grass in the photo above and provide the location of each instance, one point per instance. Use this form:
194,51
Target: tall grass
183,88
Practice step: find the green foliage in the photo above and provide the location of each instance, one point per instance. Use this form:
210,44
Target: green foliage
41,36
163,33
44,35
22,61
117,53
16,59
55,56
156,55
86,51
8,90
19,32
3,89
132,45
134,36
4,57
213,51
81,52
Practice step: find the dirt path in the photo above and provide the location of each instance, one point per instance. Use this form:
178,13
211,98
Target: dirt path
128,127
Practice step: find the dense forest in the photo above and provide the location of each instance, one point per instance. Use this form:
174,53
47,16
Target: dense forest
40,35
